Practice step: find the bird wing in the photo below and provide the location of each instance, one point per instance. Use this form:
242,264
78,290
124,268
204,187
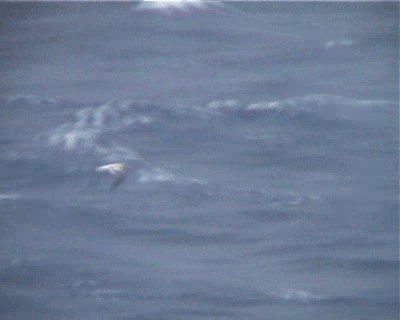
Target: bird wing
116,171
112,169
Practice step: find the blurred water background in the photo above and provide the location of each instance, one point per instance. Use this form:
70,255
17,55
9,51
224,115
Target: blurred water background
262,140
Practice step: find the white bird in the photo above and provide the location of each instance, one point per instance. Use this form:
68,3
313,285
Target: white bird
117,171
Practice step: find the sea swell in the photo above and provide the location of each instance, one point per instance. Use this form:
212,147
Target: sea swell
137,131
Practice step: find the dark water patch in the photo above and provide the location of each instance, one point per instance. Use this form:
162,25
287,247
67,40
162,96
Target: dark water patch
73,274
18,306
360,265
295,161
173,235
360,301
42,225
185,312
271,215
44,169
189,194
359,242
225,299
304,247
32,273
26,101
309,112
225,296
219,261
15,111
280,250
25,210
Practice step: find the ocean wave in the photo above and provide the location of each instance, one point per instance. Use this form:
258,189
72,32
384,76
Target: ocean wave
297,296
179,6
338,43
9,196
161,175
114,115
93,130
228,104
90,124
245,296
30,99
366,265
155,175
302,296
116,153
71,137
328,106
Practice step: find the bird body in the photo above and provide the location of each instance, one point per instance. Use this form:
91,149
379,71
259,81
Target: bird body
117,171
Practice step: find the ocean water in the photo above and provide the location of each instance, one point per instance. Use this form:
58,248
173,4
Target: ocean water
263,144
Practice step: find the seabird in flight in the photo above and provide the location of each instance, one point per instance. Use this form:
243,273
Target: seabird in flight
117,171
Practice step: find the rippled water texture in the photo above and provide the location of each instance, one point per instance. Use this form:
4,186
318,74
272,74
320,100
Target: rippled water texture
262,144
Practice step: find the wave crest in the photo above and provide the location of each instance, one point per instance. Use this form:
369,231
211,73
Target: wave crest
301,296
338,43
89,125
161,175
171,6
326,105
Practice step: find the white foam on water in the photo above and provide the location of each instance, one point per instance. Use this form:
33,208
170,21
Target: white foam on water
168,6
9,196
293,104
325,104
84,284
162,175
273,105
32,99
90,123
82,118
223,104
73,137
142,119
155,175
338,43
328,98
100,114
298,295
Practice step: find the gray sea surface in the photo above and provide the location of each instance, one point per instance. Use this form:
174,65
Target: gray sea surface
263,147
